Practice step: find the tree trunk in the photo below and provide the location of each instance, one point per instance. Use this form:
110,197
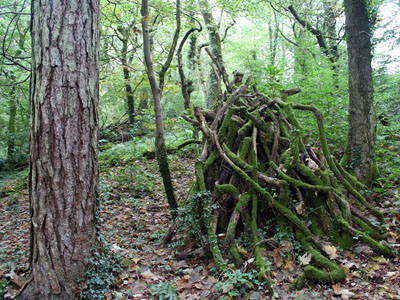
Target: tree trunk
214,84
359,155
161,149
125,68
11,131
63,145
330,21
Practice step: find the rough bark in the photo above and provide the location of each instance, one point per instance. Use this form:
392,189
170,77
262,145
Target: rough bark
359,156
161,149
63,145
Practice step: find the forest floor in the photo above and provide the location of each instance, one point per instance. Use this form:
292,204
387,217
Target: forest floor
134,217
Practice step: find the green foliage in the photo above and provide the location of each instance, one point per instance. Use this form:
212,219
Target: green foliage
102,271
188,214
235,283
3,287
164,291
284,235
388,157
178,131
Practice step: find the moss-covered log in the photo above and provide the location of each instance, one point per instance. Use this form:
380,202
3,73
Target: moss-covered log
263,178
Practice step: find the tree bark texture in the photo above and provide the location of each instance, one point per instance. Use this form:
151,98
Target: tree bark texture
362,114
125,68
161,149
63,144
214,84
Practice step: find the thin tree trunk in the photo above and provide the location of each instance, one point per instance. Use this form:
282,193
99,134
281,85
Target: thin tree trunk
187,85
214,84
130,101
362,115
11,130
63,145
161,149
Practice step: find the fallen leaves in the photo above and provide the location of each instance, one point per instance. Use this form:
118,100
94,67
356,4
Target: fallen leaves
135,225
331,251
345,294
305,259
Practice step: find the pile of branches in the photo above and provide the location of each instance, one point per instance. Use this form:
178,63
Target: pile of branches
255,169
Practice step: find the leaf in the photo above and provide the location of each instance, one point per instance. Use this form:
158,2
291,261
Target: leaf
299,208
380,259
286,246
277,258
147,275
289,265
305,259
346,294
227,287
331,251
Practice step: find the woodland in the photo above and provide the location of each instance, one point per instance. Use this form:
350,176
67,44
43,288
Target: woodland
182,149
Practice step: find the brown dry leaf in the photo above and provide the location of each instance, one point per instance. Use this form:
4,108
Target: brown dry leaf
242,250
277,258
289,265
331,251
210,280
136,260
160,252
147,275
286,247
346,294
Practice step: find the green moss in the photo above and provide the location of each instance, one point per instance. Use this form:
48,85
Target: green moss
331,274
232,132
309,175
299,183
237,160
343,240
246,129
352,179
366,228
210,160
244,149
228,189
208,218
316,227
375,245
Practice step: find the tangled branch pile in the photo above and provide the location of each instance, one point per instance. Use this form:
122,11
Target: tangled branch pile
255,168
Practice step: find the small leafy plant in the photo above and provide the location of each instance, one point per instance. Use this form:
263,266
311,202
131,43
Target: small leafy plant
164,291
3,287
236,283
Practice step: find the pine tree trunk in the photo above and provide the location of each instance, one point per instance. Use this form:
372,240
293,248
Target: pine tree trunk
362,114
63,160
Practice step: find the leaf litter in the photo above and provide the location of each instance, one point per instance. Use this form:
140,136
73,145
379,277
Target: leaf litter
135,221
